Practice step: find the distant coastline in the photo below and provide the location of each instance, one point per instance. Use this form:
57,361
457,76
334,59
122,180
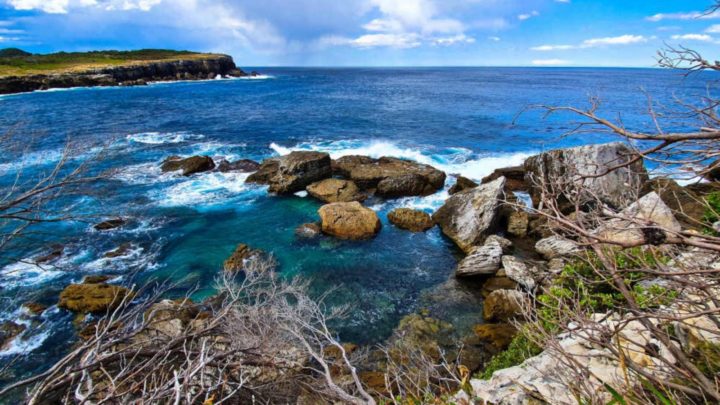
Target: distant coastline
22,72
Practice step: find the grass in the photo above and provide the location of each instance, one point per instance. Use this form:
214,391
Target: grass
20,64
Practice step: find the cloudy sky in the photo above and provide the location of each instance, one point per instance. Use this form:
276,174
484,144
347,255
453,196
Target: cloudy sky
371,32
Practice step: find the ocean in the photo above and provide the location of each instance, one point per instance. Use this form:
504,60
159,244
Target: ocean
465,121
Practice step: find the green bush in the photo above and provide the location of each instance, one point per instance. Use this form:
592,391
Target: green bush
712,213
521,348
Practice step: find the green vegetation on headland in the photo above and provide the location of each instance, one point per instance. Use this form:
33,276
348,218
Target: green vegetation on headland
16,62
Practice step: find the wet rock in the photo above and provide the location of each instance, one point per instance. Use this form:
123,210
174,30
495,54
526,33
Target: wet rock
308,231
110,224
482,260
349,221
188,166
556,246
121,250
240,166
335,190
92,298
650,222
504,305
518,222
298,170
267,170
411,220
496,337
392,177
470,216
514,178
35,308
56,252
236,261
566,173
9,330
343,166
462,184
525,274
400,186
95,279
497,283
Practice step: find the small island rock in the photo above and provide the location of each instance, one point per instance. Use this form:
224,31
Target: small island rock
411,220
349,220
335,190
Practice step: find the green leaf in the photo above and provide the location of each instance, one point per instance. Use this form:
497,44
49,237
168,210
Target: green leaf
617,398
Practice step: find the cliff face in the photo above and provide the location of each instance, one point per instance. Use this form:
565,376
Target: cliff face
131,75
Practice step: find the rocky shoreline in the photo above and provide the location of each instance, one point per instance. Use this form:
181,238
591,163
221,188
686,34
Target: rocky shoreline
135,74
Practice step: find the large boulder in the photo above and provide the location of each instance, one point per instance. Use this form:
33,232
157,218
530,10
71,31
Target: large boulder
504,305
514,178
648,221
497,283
188,166
461,184
584,173
240,166
411,220
96,298
267,170
298,170
335,190
687,206
349,220
391,177
468,217
482,260
238,258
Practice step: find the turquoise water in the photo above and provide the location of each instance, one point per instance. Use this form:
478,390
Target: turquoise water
181,229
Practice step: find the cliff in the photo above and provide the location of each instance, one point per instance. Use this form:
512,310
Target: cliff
42,72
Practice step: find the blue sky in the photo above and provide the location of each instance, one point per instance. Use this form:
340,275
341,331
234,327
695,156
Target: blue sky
371,32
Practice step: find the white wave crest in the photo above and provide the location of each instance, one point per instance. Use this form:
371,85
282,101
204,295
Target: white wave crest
256,77
159,138
204,190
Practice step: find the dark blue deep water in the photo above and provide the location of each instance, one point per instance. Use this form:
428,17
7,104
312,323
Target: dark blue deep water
461,120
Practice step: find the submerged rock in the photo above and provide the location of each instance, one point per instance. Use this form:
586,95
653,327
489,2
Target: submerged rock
470,216
411,220
35,308
92,298
9,330
56,252
335,190
240,166
504,305
349,220
308,231
584,170
110,224
482,260
188,166
236,261
121,250
298,170
461,184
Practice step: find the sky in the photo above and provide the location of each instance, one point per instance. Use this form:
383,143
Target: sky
371,32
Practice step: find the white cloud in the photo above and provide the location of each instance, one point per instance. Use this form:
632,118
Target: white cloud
455,39
562,1
594,43
713,29
65,6
47,6
494,38
693,15
527,16
551,62
693,37
386,40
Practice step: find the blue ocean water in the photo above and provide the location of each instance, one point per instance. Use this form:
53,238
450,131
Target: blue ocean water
461,120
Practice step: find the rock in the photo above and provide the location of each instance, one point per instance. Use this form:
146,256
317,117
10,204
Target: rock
703,189
713,171
687,206
308,231
462,184
92,298
556,246
35,308
497,283
188,166
716,226
505,244
349,220
240,166
391,177
520,272
236,261
9,330
497,337
470,216
55,253
504,305
335,190
267,170
419,331
514,178
482,260
110,224
298,170
539,227
646,219
95,279
170,318
411,220
518,222
121,250
566,171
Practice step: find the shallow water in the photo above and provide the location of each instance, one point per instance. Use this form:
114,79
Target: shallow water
458,119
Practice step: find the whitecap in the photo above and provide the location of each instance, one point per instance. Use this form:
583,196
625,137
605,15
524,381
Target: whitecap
204,190
256,77
26,272
302,194
159,138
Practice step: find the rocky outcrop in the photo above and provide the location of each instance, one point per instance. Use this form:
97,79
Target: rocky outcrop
514,178
56,252
293,172
517,223
411,220
687,206
647,221
135,74
188,166
482,260
462,184
496,337
110,224
92,298
236,261
556,246
525,274
497,283
584,169
470,216
122,250
391,177
349,220
267,170
239,166
504,305
335,190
